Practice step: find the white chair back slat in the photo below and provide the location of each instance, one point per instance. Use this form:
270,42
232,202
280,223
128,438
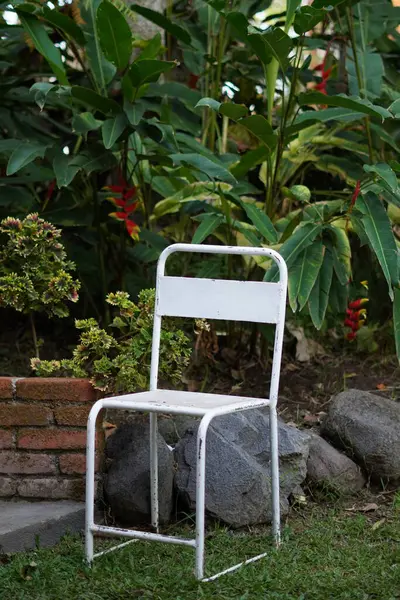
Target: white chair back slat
252,301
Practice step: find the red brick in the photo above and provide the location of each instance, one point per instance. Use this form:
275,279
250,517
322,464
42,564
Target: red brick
51,439
72,415
24,414
22,463
52,488
75,464
56,388
8,487
6,388
6,439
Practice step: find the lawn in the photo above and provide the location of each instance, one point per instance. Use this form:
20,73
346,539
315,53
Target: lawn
329,553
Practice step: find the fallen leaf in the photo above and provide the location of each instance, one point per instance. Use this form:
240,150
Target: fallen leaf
369,507
311,419
376,525
381,386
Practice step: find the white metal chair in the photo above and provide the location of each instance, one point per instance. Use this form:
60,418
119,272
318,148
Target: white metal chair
210,299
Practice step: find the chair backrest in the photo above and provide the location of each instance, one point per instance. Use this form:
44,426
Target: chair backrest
253,301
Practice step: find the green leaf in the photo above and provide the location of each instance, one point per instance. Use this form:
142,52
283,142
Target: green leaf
24,154
307,17
395,108
380,235
338,296
303,274
152,48
275,44
261,129
135,111
112,129
260,221
159,19
41,89
102,69
209,103
385,172
208,225
371,71
249,160
93,159
233,111
93,100
291,7
44,45
64,23
396,320
302,237
146,71
85,122
319,296
114,34
212,169
64,171
328,114
354,103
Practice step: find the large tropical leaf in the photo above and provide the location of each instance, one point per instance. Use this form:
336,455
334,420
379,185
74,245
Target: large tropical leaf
64,170
303,274
112,129
371,70
260,221
43,44
307,17
302,237
355,103
214,170
114,34
102,69
379,232
273,43
23,155
90,98
207,226
319,296
64,23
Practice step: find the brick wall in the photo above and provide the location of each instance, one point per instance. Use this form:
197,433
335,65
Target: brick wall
43,437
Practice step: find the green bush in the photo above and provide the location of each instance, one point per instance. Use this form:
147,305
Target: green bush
119,361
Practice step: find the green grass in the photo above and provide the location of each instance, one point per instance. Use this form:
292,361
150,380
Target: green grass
326,554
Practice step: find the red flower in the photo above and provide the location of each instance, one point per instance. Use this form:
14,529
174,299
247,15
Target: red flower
355,193
193,79
350,336
356,304
325,74
125,202
355,317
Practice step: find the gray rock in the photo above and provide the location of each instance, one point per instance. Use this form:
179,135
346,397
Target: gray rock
127,482
174,427
367,428
330,469
238,472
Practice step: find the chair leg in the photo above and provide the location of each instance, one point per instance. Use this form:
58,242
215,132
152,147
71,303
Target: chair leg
200,495
154,470
90,482
273,425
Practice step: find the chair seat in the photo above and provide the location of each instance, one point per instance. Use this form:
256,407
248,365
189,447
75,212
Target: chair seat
185,403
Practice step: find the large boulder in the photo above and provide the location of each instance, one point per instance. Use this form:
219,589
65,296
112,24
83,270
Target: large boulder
127,482
329,469
238,467
367,428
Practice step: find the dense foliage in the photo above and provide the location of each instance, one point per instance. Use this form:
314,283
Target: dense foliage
119,360
274,128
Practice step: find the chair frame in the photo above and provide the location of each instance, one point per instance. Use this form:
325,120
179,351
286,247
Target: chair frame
124,403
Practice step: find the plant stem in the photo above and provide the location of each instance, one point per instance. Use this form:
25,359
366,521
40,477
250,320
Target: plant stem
350,26
34,336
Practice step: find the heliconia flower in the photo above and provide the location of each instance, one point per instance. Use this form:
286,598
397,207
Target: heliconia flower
193,79
350,336
356,315
356,304
325,74
126,203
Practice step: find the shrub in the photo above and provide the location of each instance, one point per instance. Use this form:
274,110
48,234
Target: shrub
34,270
119,361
